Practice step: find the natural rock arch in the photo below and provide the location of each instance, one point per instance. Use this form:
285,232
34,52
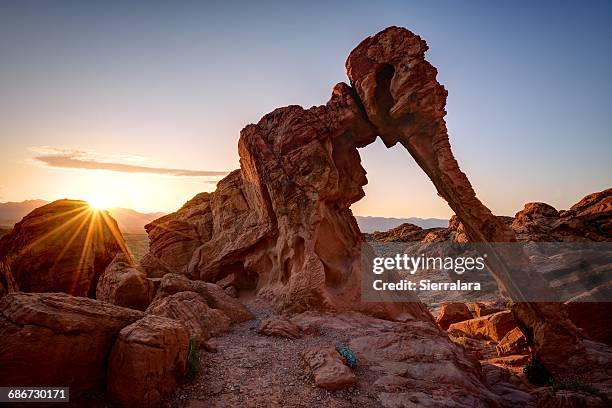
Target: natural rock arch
285,217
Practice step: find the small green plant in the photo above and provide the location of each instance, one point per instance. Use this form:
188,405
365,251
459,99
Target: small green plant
577,384
193,360
536,373
349,355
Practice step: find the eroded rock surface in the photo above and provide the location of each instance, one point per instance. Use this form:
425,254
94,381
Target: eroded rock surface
282,222
63,246
191,310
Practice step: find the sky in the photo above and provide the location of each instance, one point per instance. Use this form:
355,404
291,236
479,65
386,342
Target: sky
140,104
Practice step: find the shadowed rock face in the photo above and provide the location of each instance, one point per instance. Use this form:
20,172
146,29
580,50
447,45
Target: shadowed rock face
63,246
48,339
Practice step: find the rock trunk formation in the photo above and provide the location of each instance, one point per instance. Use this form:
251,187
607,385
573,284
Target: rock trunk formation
405,103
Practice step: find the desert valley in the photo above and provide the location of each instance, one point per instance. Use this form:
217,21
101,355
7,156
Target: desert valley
251,295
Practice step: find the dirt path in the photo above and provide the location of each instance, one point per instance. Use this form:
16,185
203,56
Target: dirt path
253,370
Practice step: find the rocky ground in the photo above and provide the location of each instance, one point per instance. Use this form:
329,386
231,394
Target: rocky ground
250,369
247,368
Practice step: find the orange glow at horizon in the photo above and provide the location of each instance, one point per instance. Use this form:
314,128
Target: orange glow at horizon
141,192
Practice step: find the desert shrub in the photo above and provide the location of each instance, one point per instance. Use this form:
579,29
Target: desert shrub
349,355
577,384
193,360
536,373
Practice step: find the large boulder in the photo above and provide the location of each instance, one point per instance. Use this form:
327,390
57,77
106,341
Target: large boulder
52,339
63,246
123,284
491,327
147,361
192,310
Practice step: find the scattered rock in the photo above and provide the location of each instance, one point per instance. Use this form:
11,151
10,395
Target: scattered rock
122,284
486,308
514,342
191,310
328,368
214,295
48,339
63,246
280,327
148,358
452,313
493,327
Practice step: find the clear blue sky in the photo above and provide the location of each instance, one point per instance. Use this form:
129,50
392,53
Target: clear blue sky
174,82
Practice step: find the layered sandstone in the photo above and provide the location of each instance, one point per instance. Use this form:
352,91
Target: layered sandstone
63,246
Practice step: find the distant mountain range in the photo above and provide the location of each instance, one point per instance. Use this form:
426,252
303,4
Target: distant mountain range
133,222
130,221
371,224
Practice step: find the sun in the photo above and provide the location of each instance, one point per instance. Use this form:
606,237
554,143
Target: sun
99,201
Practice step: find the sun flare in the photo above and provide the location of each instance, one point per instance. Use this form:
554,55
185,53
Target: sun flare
99,201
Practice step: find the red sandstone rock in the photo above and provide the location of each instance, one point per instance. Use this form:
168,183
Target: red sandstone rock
486,308
61,247
300,250
191,310
452,313
514,342
283,221
493,327
424,367
214,296
404,233
148,358
173,238
52,339
328,368
534,221
122,284
280,327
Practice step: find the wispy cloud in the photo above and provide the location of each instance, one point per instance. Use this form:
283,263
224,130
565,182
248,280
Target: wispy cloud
79,159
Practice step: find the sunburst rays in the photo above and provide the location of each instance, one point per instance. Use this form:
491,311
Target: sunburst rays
84,228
